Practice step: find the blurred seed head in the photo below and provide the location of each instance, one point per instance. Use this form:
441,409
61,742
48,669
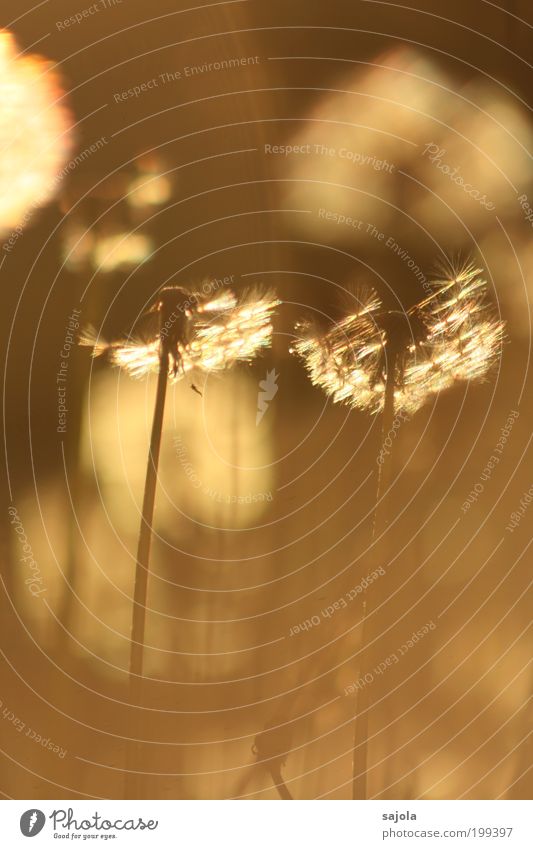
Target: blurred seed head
35,132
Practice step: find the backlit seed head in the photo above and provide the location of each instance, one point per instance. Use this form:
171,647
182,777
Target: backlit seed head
451,336
203,332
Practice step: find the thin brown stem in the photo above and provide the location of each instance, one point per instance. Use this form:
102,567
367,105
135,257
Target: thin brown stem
367,664
134,771
279,784
271,747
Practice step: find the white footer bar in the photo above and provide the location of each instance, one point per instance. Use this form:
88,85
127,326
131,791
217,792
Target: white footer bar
267,825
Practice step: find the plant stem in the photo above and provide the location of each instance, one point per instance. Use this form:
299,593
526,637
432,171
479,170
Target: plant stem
279,784
134,773
364,703
271,747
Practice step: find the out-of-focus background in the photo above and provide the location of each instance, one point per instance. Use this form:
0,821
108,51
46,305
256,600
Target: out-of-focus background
308,147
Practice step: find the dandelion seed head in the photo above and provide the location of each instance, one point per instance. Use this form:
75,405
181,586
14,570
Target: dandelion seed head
236,332
454,337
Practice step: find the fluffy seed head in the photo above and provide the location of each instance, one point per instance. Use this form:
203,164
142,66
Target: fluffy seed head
450,336
207,333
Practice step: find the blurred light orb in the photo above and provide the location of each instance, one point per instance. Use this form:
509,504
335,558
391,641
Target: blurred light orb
150,191
152,186
122,250
35,133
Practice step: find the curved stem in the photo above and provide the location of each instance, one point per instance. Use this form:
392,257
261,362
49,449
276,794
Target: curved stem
364,703
134,773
